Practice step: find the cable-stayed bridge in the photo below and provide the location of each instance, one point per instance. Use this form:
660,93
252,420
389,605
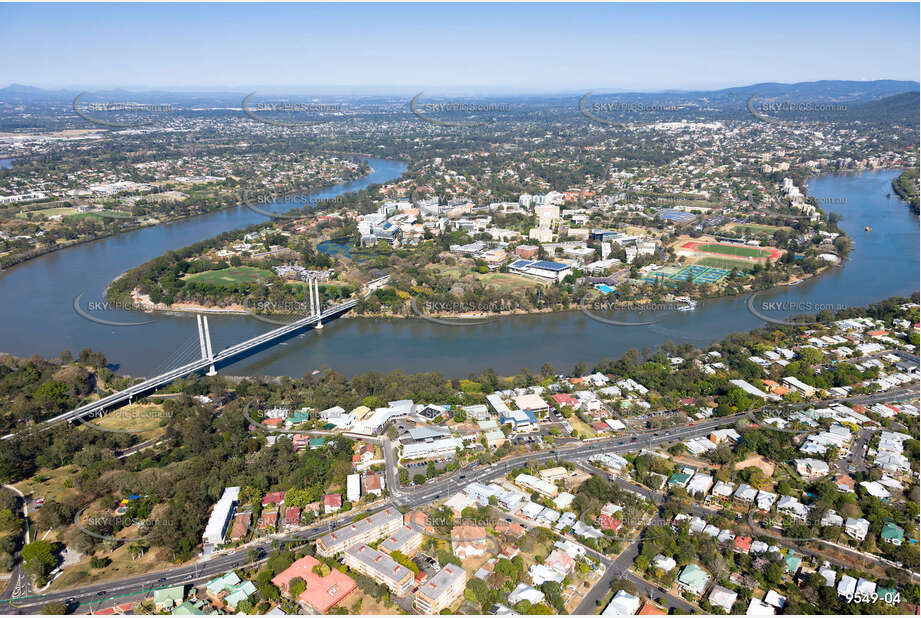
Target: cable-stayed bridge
209,361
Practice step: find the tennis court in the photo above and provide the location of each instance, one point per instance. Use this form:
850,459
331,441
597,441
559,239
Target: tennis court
695,273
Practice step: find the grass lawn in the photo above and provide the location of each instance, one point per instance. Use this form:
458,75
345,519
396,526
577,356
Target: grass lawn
51,484
123,565
231,276
49,212
143,419
727,264
737,251
109,214
579,427
504,281
507,281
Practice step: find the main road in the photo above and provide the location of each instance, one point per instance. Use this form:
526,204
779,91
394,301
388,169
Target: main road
96,596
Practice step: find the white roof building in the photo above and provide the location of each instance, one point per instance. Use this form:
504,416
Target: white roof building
353,487
847,586
700,483
759,608
524,592
722,597
220,517
765,500
623,604
857,528
664,562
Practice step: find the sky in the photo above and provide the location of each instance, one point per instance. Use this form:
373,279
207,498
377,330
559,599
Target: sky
384,48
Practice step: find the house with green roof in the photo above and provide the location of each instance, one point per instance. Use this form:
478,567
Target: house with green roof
238,593
167,598
199,608
693,579
679,478
892,533
222,583
316,443
301,416
792,562
887,595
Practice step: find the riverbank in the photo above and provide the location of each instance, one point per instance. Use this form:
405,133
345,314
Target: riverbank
7,262
905,187
143,303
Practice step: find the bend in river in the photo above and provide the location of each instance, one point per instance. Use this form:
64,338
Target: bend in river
38,300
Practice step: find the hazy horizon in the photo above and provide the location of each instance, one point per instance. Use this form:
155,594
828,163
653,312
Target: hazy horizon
476,48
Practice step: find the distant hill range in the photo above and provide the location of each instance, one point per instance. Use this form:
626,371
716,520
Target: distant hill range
870,101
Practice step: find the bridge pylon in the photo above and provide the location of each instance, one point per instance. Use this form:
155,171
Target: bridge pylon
204,341
316,291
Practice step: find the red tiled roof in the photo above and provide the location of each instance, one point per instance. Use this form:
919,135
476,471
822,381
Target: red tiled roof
743,543
322,592
275,497
564,399
649,609
332,500
609,522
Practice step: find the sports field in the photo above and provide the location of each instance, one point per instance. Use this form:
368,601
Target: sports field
230,276
739,251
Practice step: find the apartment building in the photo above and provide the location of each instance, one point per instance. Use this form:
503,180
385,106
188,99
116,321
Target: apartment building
407,540
442,590
365,530
542,487
380,567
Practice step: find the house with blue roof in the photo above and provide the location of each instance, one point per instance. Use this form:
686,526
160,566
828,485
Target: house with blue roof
520,420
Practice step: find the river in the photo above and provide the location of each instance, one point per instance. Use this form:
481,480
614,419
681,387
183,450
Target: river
37,298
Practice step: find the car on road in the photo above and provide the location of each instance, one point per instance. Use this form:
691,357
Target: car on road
101,593
161,580
508,519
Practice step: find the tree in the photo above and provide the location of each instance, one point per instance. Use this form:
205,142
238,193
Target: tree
296,586
39,558
773,573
